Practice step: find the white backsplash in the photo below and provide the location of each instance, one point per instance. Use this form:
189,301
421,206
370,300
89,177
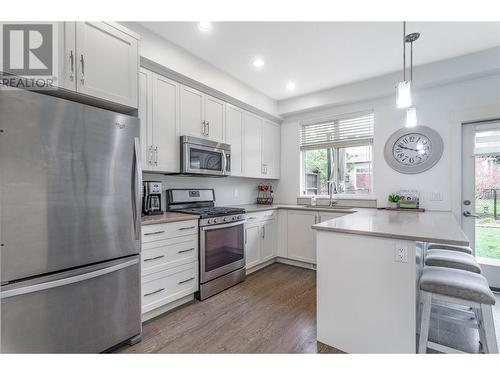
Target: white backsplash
225,187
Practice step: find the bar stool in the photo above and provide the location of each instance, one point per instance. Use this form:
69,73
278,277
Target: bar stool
442,246
459,287
452,259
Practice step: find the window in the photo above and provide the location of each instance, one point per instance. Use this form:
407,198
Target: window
337,154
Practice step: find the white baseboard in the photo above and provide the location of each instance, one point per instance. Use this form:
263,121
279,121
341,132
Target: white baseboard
259,266
163,309
296,263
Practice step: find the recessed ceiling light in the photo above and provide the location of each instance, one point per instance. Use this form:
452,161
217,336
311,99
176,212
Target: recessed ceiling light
205,26
290,85
258,63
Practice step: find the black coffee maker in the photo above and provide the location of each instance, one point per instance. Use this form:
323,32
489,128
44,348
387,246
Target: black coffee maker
151,198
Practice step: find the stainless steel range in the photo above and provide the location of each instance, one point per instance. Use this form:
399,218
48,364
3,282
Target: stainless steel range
222,238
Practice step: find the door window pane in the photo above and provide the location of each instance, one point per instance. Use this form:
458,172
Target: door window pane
487,196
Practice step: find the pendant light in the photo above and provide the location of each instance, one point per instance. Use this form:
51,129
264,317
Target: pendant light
404,94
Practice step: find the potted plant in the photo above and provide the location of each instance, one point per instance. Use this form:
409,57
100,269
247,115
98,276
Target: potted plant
393,200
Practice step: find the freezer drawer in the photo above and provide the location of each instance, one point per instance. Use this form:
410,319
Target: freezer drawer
87,310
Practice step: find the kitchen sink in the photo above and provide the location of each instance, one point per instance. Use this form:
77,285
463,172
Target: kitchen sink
333,208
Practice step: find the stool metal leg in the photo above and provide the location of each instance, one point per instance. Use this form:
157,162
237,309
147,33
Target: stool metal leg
480,328
425,318
488,326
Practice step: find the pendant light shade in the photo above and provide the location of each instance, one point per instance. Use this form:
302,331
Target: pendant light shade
411,117
404,95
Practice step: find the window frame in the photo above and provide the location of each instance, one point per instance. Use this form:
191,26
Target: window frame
336,146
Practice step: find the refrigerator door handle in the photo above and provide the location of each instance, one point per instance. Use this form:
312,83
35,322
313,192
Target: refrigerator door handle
66,281
136,205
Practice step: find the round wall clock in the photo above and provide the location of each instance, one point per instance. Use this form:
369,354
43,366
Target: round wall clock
413,150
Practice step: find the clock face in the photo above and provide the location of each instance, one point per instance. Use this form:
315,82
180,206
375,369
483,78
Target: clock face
412,149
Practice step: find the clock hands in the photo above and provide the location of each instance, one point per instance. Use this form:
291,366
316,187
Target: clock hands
408,148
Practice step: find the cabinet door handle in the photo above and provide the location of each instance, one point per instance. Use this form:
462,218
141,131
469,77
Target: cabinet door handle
156,291
263,232
203,128
208,128
186,228
82,61
185,281
185,251
154,258
72,65
157,232
251,218
156,155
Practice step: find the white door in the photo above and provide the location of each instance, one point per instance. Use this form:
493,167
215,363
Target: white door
252,250
214,118
166,139
252,145
481,194
271,140
268,246
192,114
301,238
145,116
107,63
67,56
234,137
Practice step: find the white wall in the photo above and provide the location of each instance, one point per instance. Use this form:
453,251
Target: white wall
438,107
176,58
225,187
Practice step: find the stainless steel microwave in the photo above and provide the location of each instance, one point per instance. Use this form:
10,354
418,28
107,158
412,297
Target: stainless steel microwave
203,157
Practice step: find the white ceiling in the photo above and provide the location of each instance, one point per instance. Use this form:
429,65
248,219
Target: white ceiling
319,55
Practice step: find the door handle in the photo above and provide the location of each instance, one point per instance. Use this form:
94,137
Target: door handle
72,64
263,232
157,232
203,127
208,128
156,291
82,61
187,280
154,258
136,204
186,228
185,251
468,214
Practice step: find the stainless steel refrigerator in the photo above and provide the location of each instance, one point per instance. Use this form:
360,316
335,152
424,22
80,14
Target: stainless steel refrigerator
70,185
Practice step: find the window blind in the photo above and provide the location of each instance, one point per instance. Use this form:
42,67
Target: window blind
346,131
487,139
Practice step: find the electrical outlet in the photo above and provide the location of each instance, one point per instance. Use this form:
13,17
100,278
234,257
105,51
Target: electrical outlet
235,193
401,253
436,196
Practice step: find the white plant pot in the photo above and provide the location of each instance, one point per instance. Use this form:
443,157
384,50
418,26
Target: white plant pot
393,205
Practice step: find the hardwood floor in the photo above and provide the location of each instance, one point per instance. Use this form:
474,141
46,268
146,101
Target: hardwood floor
272,311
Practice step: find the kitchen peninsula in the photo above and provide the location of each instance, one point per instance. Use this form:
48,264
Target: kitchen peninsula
368,265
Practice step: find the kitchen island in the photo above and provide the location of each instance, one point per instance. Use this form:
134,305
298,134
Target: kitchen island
368,264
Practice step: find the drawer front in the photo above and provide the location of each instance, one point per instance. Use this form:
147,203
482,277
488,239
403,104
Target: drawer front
161,288
157,232
261,216
161,255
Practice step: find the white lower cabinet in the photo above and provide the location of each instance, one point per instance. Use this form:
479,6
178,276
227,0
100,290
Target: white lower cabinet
260,238
169,265
301,238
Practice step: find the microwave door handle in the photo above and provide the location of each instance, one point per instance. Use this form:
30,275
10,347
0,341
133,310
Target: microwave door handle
224,163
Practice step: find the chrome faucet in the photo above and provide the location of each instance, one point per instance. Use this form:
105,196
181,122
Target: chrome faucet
332,188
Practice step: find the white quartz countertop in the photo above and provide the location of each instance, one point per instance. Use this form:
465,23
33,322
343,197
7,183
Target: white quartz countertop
167,217
429,226
264,207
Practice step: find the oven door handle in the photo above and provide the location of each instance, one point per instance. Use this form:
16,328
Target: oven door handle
228,225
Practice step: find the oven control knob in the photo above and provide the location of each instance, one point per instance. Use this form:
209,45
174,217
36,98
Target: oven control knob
209,221
215,221
234,217
239,216
225,219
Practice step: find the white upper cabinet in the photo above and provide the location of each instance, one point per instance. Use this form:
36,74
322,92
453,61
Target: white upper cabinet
166,124
99,60
234,137
214,118
201,115
145,116
192,112
107,62
67,55
271,141
159,115
252,145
